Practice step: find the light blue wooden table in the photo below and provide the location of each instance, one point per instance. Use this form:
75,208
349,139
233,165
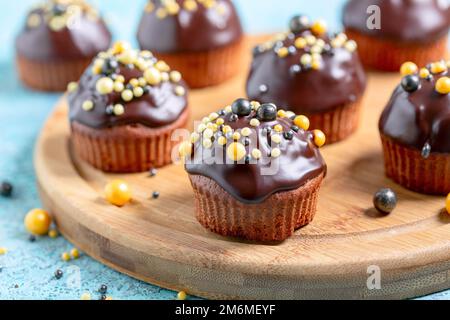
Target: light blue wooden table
27,269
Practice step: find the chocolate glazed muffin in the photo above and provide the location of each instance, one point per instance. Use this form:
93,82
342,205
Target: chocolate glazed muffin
310,72
409,30
201,39
60,39
125,109
415,129
256,171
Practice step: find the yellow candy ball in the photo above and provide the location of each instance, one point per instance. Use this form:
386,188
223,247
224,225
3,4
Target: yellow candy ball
443,85
105,85
181,295
319,138
75,253
302,122
65,256
153,76
236,151
185,149
447,203
408,68
118,193
120,46
438,67
38,222
319,27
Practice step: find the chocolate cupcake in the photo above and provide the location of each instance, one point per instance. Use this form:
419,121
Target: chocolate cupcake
201,38
125,109
310,72
415,129
255,170
389,32
60,39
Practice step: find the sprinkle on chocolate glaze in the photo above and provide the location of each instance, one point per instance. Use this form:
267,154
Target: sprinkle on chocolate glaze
58,29
296,68
418,113
127,86
405,20
188,25
256,155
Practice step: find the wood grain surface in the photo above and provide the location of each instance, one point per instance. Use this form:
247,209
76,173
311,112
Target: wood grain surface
159,241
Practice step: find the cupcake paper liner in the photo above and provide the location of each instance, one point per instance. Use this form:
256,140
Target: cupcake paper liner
208,68
388,55
275,219
126,149
407,167
337,124
50,76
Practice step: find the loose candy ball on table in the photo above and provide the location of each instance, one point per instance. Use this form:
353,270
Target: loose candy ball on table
385,200
38,222
118,193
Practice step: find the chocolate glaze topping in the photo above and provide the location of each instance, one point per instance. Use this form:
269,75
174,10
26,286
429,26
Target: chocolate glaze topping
60,31
417,115
276,156
405,20
188,25
152,104
306,70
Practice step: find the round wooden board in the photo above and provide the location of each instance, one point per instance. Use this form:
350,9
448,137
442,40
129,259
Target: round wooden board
159,241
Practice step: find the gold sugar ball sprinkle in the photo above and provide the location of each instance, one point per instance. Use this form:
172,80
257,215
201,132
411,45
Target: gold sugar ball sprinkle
319,138
127,95
105,85
302,122
65,256
72,86
190,5
53,233
283,52
222,141
138,92
278,128
180,91
275,153
300,43
246,132
75,253
438,67
87,105
424,73
118,110
236,151
153,76
443,85
181,295
276,138
185,149
319,27
175,76
256,154
118,86
408,68
255,122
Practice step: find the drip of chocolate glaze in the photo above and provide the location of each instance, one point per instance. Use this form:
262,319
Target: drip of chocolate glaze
188,31
340,81
157,108
87,38
300,161
420,119
406,20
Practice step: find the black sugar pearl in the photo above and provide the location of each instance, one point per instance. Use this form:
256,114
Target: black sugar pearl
292,50
58,274
129,86
6,189
32,238
59,9
109,66
246,141
267,112
155,195
146,89
103,289
289,135
297,24
295,128
109,110
103,297
426,151
385,201
295,69
234,118
247,159
241,107
222,112
411,83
